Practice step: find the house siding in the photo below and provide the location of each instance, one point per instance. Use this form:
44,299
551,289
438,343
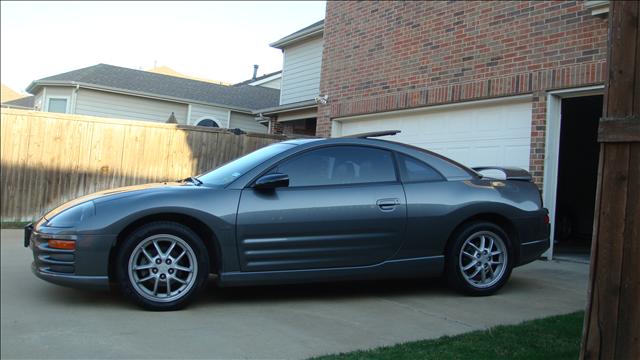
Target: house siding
220,115
387,56
57,91
247,123
301,71
105,104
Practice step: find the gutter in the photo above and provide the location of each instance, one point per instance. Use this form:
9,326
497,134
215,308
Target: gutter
288,40
303,105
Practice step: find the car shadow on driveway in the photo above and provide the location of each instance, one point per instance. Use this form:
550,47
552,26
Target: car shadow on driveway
214,295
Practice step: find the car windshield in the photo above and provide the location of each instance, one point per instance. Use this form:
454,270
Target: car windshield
228,172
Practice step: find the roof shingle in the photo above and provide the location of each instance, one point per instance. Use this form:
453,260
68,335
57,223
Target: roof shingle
244,97
26,102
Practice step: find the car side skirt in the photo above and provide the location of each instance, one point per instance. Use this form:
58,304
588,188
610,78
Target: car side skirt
430,266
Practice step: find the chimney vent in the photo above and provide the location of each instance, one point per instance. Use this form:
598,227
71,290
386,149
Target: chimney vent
255,72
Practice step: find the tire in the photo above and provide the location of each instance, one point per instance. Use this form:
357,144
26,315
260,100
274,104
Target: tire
162,266
469,257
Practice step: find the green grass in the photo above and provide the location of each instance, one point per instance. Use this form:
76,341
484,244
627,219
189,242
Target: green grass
13,225
556,337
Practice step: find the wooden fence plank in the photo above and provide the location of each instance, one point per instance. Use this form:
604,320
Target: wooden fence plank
612,315
628,331
48,158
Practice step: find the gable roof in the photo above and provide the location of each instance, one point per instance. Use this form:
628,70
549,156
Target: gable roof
8,94
165,70
311,30
114,78
246,82
22,103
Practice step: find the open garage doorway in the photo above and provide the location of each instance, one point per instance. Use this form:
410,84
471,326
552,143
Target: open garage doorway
577,175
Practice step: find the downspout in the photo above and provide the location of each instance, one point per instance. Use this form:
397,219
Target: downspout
45,102
74,98
268,123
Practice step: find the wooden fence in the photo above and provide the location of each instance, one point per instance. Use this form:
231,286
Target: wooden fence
48,158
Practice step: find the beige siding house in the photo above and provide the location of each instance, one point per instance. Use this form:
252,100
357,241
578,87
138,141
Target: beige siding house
296,111
121,106
117,92
301,71
220,115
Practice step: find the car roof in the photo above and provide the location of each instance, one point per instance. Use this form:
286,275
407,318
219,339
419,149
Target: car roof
451,169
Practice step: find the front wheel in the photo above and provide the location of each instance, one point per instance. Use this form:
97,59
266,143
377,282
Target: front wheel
162,266
479,261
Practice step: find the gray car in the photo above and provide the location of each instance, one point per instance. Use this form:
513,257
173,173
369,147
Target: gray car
298,211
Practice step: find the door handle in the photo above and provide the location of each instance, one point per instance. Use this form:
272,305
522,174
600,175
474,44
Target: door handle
387,204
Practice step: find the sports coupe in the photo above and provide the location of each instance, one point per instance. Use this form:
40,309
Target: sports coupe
298,211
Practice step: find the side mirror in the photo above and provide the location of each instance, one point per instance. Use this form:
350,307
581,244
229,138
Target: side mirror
272,181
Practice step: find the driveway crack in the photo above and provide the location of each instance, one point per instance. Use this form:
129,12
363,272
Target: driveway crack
437,316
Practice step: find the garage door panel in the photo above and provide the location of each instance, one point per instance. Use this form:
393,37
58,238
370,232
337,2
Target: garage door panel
475,135
487,155
518,156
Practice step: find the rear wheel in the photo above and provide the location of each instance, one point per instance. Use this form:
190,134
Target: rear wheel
162,266
479,261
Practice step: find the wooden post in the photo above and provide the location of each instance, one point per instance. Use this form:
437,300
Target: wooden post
612,320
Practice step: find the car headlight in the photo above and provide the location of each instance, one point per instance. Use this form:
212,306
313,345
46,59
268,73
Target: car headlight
73,215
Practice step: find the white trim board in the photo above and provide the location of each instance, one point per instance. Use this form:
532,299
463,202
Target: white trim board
552,148
267,79
456,105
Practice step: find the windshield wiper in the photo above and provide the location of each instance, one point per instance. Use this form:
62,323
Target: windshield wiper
192,179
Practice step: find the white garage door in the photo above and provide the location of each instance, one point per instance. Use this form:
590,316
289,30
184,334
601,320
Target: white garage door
474,134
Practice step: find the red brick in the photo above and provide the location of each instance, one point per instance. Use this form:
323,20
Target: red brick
543,47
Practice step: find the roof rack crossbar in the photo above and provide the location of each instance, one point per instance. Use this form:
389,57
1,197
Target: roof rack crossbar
373,134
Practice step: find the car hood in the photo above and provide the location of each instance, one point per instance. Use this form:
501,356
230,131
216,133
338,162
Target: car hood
117,193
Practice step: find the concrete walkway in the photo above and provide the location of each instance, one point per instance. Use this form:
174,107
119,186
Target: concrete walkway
40,320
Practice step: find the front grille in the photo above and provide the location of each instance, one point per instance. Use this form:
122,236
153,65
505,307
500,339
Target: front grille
56,261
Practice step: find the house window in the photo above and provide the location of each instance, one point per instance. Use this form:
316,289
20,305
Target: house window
208,123
58,105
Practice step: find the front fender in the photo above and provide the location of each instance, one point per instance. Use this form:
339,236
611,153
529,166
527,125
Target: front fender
215,208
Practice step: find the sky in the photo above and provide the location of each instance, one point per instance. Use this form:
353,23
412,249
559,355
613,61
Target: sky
213,40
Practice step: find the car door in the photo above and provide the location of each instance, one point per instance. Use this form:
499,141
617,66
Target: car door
344,206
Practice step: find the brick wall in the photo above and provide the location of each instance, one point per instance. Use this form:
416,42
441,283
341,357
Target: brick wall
383,56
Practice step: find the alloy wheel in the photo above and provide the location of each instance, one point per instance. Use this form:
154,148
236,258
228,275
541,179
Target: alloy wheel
483,259
162,268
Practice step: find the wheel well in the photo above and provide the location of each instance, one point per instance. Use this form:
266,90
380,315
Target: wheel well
503,222
205,233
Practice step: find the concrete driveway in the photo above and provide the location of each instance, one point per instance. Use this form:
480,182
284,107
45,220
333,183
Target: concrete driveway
40,320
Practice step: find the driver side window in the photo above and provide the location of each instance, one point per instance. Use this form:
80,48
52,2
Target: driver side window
339,165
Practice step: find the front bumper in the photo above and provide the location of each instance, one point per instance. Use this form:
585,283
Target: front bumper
84,267
70,280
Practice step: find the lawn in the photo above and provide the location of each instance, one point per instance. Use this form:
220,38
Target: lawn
556,337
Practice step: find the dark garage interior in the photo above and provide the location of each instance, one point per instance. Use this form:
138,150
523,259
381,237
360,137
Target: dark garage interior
577,174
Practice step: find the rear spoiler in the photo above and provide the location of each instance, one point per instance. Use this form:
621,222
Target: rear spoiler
511,173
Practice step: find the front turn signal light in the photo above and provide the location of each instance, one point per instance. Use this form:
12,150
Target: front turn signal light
62,244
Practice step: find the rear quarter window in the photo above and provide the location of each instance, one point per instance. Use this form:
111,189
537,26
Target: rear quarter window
414,170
